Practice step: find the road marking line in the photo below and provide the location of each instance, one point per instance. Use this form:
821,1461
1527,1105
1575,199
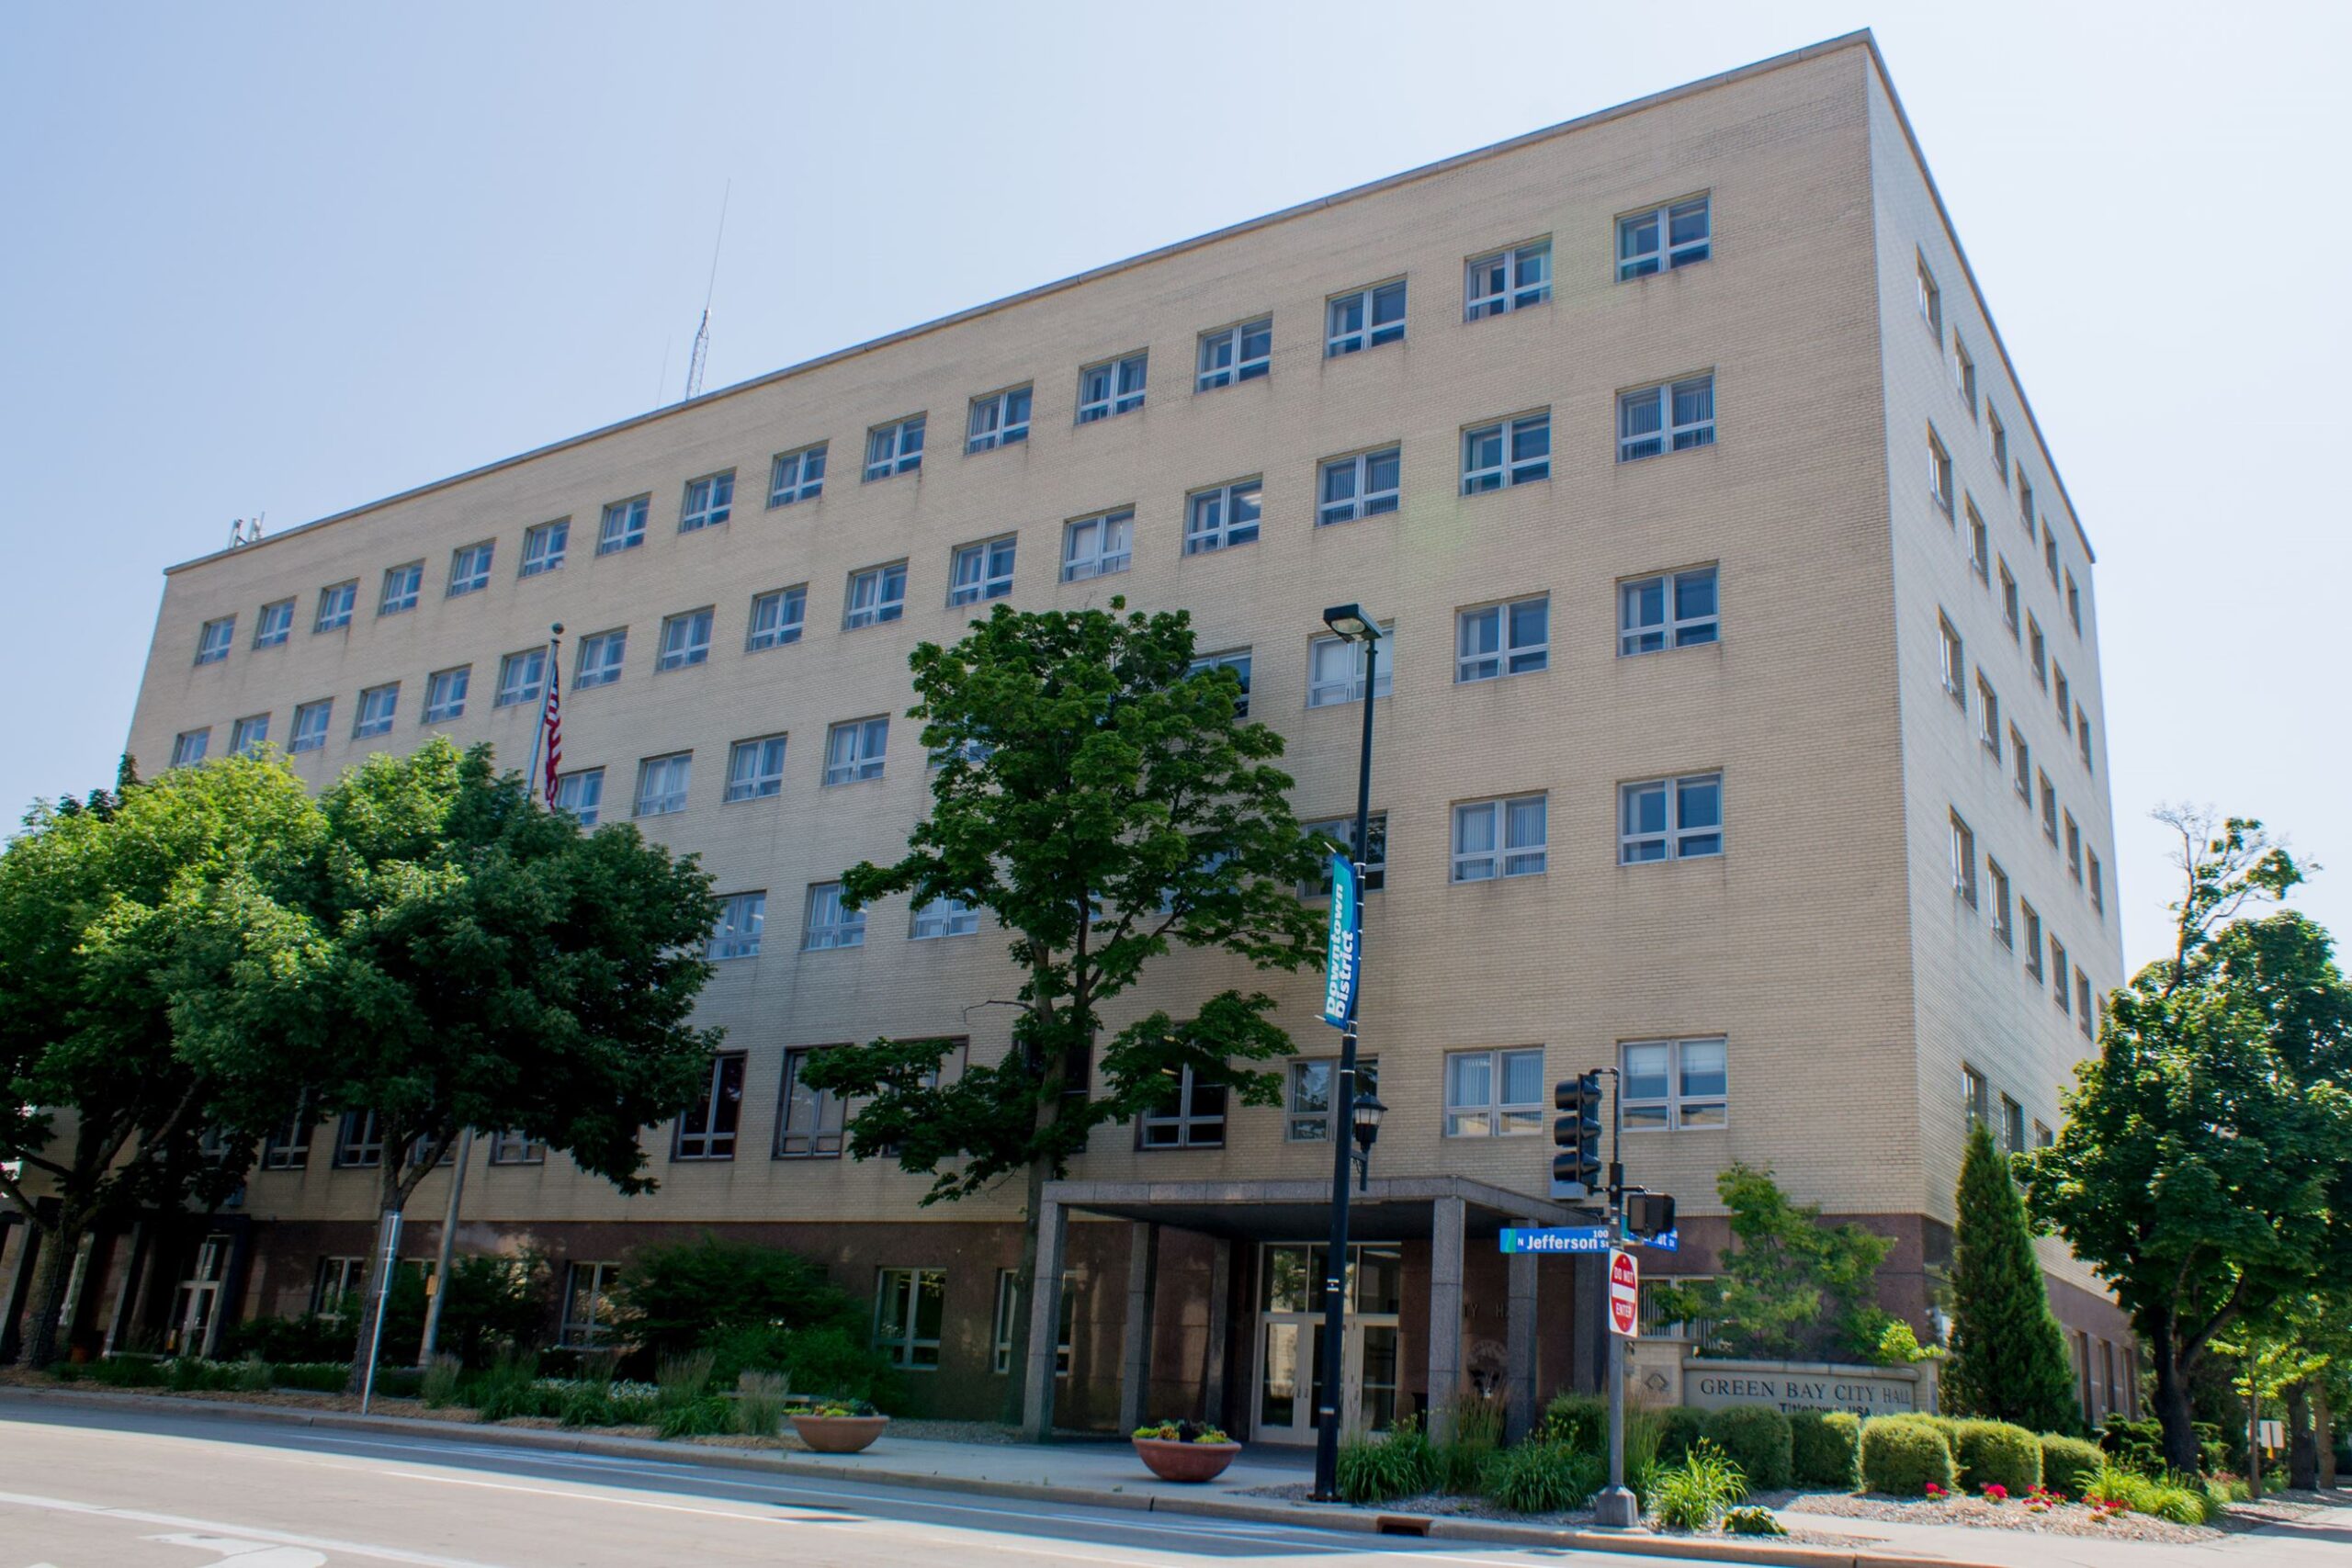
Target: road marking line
214,1527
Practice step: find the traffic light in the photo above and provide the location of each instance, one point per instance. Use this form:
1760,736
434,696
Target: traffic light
1576,1170
1649,1214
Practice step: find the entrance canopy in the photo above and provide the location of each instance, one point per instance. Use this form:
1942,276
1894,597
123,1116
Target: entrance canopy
1391,1209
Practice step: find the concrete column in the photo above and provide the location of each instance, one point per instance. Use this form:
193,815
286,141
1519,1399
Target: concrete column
1213,1389
1135,1358
1519,1344
1446,1217
1044,1324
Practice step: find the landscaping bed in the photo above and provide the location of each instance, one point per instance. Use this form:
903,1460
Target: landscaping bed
1980,1513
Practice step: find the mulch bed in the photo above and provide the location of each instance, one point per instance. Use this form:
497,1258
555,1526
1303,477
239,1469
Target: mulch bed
1445,1504
1982,1513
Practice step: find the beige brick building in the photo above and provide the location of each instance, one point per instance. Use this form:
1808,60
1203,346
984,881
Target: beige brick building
1746,732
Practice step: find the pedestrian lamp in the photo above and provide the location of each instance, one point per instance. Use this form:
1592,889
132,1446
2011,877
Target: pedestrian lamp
1368,1112
1350,622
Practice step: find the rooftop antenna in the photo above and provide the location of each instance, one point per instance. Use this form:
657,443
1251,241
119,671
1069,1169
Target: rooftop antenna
244,531
702,331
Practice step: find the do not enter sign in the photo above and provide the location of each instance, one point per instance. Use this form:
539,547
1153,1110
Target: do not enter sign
1624,1293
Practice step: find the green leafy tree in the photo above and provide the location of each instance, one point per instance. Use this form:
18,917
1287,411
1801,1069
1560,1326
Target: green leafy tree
2008,1355
674,1296
1789,1287
1105,803
117,912
2204,1164
462,958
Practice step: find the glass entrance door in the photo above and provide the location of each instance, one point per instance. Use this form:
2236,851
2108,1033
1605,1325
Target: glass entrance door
1290,1326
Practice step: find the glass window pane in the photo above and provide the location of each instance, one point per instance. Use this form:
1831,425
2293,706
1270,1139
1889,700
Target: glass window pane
1704,1075
1523,1077
1646,1071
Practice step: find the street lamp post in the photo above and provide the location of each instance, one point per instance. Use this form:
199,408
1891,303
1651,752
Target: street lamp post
1352,624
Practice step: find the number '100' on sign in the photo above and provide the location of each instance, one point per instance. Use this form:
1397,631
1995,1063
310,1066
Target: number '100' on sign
1342,957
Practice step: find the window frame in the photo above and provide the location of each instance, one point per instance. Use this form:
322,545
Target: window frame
884,608
1667,255
306,735
409,578
1188,1126
907,1292
1963,861
1362,500
762,777
1509,470
1211,373
365,727
1116,396
1676,1107
581,775
1673,432
861,766
1101,562
1941,480
707,1132
1504,851
189,746
621,526
338,603
1223,503
521,678
957,918
608,667
1373,872
1512,292
790,477
1671,835
248,735
545,547
829,1115
1004,427
846,931
791,618
894,448
470,567
679,762
1500,1116
443,704
1370,333
1676,630
714,508
692,642
1383,684
1309,1126
593,1330
273,624
1508,657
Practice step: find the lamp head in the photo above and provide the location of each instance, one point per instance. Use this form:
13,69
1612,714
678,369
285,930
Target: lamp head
1367,1115
1350,622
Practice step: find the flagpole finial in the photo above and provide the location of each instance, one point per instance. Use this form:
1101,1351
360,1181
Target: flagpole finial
557,628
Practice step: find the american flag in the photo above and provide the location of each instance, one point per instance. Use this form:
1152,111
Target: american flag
552,722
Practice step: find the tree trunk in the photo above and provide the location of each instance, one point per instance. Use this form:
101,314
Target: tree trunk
2303,1452
2324,1432
1053,1074
2172,1410
52,1269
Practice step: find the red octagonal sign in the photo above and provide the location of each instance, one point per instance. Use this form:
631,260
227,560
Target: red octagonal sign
1624,1293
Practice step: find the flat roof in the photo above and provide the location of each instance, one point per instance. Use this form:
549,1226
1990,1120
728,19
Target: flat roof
1862,39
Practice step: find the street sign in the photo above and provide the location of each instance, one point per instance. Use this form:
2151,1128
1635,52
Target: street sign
1624,1295
1340,955
1558,1238
1665,1241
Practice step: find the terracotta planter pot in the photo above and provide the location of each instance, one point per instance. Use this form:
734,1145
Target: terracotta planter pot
1173,1461
839,1434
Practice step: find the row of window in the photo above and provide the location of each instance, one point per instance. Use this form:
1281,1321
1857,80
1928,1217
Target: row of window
2009,1132
2070,988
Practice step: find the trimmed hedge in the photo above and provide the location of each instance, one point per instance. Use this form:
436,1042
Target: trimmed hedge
1827,1447
1679,1428
1901,1454
1579,1420
1995,1454
1756,1438
2069,1464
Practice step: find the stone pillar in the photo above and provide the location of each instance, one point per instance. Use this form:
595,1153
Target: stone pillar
1446,1217
1044,1324
1213,1389
1518,1345
1135,1356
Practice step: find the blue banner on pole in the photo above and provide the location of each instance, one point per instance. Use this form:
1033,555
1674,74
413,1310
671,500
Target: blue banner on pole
1341,954
1558,1238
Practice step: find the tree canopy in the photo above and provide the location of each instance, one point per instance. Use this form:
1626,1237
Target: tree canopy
1791,1288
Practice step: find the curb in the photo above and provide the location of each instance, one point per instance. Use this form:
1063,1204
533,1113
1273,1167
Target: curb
1359,1521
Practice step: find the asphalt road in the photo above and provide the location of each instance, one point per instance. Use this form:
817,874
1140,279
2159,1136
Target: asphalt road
82,1488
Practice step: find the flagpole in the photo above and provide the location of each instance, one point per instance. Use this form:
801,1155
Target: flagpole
539,734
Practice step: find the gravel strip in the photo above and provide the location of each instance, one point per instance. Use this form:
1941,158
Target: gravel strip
1979,1513
1445,1504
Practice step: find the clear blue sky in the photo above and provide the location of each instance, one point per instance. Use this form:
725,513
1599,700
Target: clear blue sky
294,258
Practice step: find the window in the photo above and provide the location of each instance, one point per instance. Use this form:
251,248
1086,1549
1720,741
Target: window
2043,1137
1675,610
445,694
521,678
1335,670
685,639
876,595
1227,515
2058,972
358,1140
188,747
1096,547
2097,883
2083,739
2032,921
1674,1085
624,525
1503,639
601,656
1932,301
1953,656
1996,438
1976,1095
402,584
376,706
894,448
2062,691
2009,599
2049,806
1663,238
1506,280
1988,716
2012,1127
1963,861
908,1305
310,721
2021,766
1938,471
590,1317
708,1132
709,500
1494,1093
1963,374
1675,418
1501,837
513,1146
247,736
2025,502
830,925
796,476
755,768
213,639
470,568
2050,551
2002,927
777,617
2074,847
856,749
337,1281
1365,318
288,1148
1343,830
1311,1088
1513,452
1115,386
1008,1305
543,546
1980,541
2074,602
273,624
1670,818
999,419
335,605
662,783
1363,486
943,918
2085,1011
809,1120
1241,353
2037,651
1237,660
581,793
1194,1120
